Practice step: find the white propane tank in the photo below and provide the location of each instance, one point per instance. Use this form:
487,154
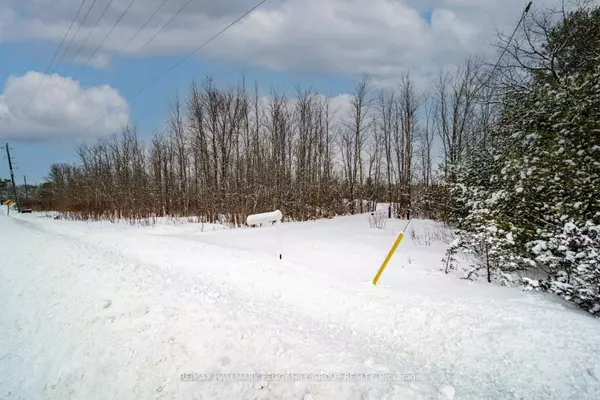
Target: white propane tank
264,218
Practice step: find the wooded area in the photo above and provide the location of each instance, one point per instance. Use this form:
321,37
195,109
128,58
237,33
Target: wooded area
227,153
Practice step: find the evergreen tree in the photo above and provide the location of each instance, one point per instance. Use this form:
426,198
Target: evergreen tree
531,203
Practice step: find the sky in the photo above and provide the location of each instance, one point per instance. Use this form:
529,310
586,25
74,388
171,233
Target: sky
113,48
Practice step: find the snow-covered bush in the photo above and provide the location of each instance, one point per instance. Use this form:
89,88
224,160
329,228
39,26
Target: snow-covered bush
571,259
450,260
530,202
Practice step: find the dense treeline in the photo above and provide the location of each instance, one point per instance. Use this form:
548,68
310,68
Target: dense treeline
226,153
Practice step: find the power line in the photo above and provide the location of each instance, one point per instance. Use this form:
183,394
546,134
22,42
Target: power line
190,54
71,41
165,25
105,37
184,58
145,24
76,32
80,25
140,29
505,49
525,11
56,53
148,21
497,64
93,29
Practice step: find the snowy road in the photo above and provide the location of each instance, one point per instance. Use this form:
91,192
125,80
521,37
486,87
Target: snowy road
105,311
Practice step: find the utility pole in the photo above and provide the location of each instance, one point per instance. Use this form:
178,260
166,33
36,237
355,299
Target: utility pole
25,179
12,178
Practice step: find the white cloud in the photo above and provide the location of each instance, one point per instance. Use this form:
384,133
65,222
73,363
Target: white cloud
340,107
381,37
384,38
62,110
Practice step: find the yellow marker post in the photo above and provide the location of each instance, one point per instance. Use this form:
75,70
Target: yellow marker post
387,259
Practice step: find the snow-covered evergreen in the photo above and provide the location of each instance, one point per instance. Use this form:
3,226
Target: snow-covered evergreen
531,202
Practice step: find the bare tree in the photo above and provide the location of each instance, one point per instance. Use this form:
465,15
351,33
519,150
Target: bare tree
455,98
409,104
425,146
353,138
540,51
387,101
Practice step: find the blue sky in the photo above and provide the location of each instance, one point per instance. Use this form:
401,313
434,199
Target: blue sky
322,44
149,109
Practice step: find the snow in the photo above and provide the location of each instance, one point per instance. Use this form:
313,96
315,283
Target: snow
540,246
446,392
530,282
531,136
101,310
510,238
569,227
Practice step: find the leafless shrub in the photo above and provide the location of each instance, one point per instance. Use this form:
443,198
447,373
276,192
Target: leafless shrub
421,237
145,222
443,235
427,236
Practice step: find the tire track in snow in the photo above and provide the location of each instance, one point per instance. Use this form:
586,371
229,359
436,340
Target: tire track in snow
486,348
294,336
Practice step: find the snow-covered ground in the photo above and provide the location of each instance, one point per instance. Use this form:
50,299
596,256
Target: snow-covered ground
101,310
